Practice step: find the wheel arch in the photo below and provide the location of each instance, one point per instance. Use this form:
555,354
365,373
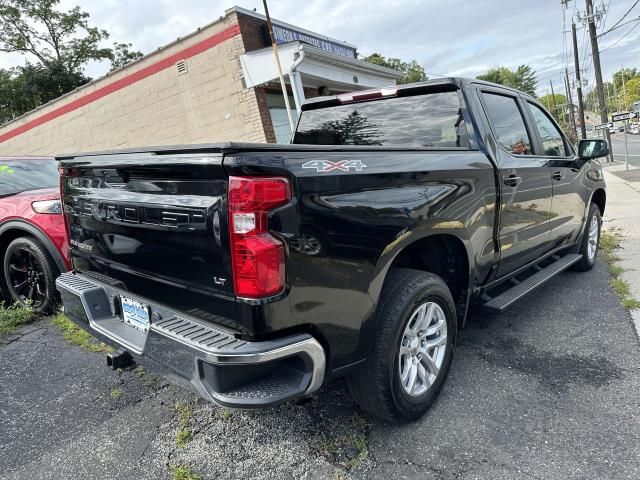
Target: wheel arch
426,253
13,229
599,197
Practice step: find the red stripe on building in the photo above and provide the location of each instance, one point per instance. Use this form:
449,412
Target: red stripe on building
154,68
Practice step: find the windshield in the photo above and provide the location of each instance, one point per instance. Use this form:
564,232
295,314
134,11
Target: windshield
432,120
30,174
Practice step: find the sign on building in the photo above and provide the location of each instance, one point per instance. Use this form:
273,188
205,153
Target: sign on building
285,34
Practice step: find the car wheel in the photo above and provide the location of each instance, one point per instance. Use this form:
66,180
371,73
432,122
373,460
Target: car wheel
590,240
412,347
30,274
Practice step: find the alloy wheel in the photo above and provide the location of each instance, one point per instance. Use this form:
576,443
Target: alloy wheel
422,348
27,280
594,228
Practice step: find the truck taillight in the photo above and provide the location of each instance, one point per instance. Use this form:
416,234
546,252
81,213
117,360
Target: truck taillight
257,256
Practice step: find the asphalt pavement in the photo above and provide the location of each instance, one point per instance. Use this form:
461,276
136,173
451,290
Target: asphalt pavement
549,389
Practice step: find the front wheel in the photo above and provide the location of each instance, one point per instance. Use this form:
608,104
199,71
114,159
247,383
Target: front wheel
30,274
412,347
590,240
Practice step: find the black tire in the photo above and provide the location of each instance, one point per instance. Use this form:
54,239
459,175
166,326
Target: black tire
587,262
376,386
42,269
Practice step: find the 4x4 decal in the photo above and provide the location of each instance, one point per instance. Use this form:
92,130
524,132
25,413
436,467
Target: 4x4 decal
322,166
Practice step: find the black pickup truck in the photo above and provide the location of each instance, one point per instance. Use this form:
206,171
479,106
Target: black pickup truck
260,272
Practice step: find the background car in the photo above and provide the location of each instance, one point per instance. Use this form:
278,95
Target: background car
33,238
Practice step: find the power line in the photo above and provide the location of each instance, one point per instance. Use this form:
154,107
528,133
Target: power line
620,39
621,18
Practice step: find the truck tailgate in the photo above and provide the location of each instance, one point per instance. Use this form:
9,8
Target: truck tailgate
154,224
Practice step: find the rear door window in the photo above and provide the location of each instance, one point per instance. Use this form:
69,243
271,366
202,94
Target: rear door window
432,120
507,123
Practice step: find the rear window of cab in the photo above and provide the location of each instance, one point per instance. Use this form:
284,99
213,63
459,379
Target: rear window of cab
432,120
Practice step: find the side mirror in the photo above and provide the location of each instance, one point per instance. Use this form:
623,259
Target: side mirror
592,148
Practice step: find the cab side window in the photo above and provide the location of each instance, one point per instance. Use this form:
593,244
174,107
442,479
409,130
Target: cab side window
508,124
552,140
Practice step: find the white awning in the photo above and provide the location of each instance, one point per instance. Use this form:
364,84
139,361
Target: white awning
314,67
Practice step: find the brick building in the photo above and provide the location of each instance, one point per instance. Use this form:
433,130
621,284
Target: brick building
216,84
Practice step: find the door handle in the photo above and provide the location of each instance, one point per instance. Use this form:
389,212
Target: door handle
512,180
557,175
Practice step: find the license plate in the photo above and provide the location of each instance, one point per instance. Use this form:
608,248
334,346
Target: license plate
135,314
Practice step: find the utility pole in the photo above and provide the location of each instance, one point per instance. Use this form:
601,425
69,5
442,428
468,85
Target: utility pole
595,52
624,97
576,59
570,98
274,46
553,99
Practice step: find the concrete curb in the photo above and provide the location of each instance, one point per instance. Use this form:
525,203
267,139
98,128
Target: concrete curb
622,213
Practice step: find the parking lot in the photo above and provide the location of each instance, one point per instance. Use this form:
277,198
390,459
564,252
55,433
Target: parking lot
547,390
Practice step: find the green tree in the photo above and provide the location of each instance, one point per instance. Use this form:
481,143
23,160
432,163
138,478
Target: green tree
24,88
122,55
57,45
631,92
557,99
523,78
557,104
353,129
413,71
622,76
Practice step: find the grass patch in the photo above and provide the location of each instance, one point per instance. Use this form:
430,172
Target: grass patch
116,393
77,336
15,316
225,413
350,449
185,413
609,243
630,303
182,472
140,371
615,270
183,437
620,287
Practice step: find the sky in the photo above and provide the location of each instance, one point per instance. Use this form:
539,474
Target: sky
454,37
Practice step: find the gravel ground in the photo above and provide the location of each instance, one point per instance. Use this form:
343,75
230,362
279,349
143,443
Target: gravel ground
547,390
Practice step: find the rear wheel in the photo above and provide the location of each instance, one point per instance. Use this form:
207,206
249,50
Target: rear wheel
30,274
590,240
412,347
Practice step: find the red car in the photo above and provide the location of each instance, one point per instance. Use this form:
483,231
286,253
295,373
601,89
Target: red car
33,240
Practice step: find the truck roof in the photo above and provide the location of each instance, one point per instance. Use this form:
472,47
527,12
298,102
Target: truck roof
427,85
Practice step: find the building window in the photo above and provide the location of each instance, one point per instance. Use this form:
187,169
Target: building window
279,118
